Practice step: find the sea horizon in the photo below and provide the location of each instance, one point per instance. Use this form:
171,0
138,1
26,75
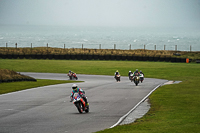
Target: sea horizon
125,38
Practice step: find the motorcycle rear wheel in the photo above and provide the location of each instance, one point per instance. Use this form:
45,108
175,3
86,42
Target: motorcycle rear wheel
87,110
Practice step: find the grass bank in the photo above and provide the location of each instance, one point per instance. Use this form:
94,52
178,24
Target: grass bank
11,76
174,108
18,86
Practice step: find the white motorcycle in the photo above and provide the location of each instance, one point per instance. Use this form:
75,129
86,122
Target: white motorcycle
80,103
141,77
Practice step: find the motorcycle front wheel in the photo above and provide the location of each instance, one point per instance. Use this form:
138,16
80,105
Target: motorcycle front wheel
136,83
78,105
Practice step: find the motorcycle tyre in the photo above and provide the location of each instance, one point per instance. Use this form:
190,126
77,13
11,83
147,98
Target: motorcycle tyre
87,109
78,105
136,83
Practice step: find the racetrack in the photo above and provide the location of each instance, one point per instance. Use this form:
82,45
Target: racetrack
48,110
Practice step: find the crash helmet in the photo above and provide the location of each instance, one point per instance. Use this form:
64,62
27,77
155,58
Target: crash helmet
117,71
140,71
74,87
136,70
129,71
70,71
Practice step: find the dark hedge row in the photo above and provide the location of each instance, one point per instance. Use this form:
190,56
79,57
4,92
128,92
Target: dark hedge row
17,80
92,57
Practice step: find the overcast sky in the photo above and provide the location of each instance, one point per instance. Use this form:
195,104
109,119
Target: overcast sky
101,12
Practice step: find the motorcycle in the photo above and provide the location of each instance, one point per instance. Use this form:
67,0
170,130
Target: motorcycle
80,103
131,77
141,77
72,76
117,77
136,80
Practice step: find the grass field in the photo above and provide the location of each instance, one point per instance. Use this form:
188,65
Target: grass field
174,108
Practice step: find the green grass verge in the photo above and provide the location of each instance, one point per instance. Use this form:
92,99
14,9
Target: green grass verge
164,70
17,86
174,108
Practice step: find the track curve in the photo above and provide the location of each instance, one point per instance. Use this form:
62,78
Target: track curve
48,110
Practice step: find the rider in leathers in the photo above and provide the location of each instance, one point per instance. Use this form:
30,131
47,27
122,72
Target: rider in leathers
116,73
136,73
141,72
129,74
80,91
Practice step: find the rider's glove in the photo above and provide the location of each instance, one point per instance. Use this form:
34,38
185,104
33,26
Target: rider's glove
71,100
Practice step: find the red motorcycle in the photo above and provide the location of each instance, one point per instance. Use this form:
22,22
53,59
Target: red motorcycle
72,76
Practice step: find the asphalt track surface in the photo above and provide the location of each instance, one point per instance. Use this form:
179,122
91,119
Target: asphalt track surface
48,110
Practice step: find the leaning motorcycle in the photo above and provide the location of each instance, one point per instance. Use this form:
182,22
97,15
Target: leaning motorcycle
80,103
136,80
141,77
117,77
72,76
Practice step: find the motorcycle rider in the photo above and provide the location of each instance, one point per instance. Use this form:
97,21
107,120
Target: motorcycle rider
81,93
142,76
116,73
130,74
136,73
71,72
141,72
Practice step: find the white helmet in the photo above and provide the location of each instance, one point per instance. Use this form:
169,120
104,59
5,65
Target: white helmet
74,86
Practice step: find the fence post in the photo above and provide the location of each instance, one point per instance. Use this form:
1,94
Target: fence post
64,46
175,47
114,46
31,48
6,45
82,46
155,47
99,46
164,47
190,48
16,45
144,46
47,48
